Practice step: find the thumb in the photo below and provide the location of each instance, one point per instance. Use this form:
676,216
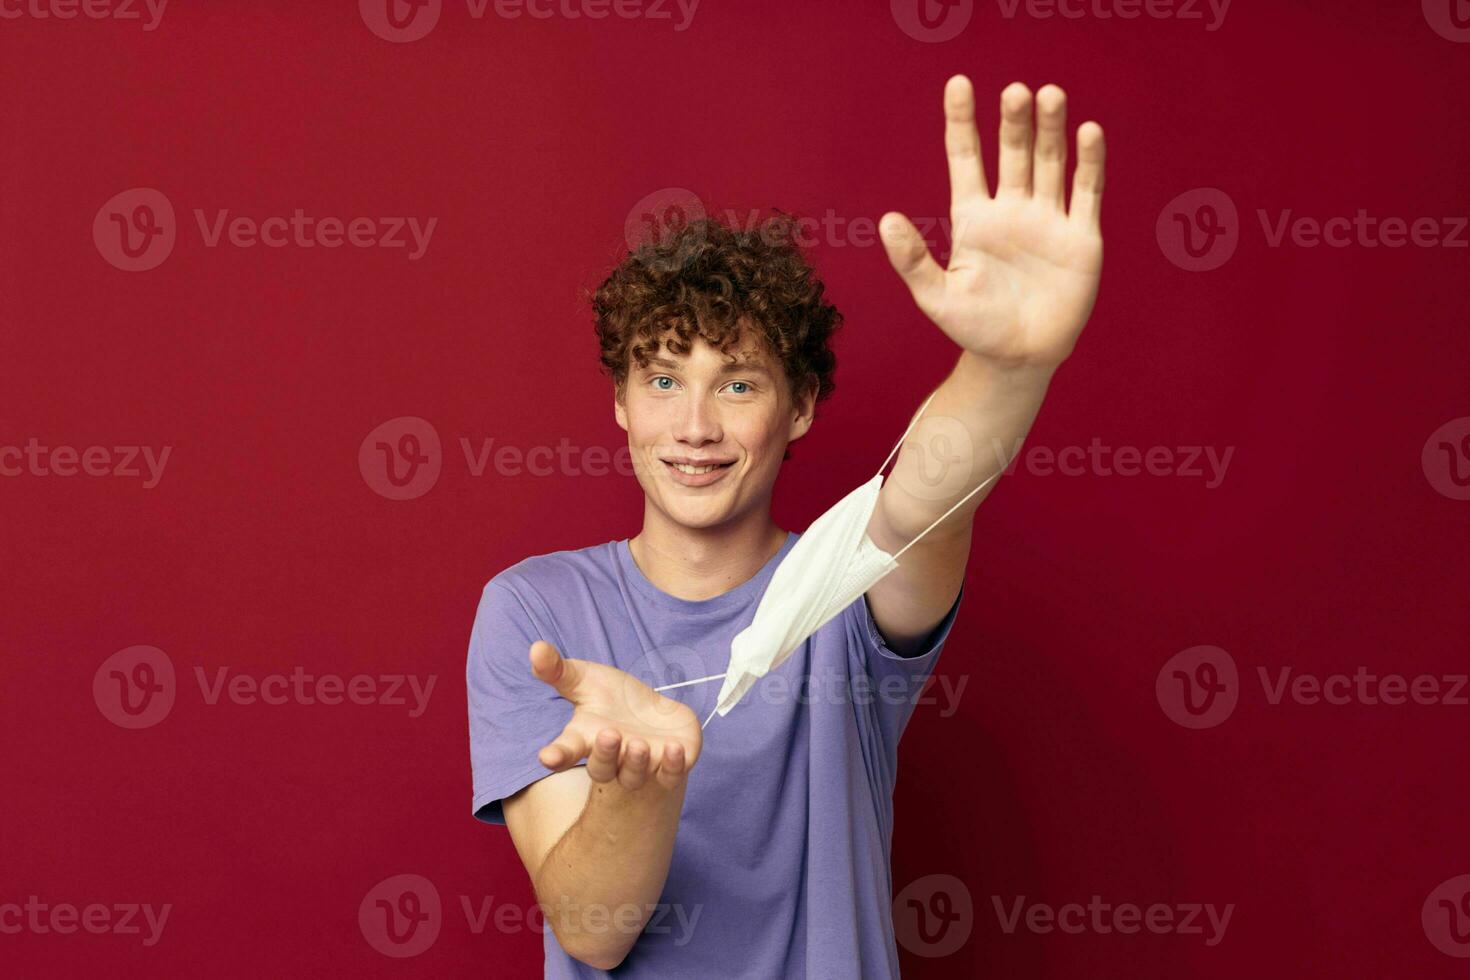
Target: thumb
910,257
550,667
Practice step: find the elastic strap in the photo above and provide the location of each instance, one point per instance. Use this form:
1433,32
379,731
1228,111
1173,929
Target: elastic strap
946,514
697,680
899,444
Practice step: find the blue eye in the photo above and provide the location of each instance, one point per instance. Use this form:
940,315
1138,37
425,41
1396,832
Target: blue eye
657,379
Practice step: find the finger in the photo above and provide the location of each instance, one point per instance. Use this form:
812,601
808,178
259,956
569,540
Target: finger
603,765
1087,182
550,667
568,749
911,259
672,767
962,143
1049,177
1015,141
634,769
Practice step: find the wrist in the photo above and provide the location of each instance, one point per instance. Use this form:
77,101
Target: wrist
1015,373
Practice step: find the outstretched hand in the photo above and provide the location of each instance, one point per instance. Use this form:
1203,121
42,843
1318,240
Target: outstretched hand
1024,265
623,728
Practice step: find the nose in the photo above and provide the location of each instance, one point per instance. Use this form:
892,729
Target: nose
699,421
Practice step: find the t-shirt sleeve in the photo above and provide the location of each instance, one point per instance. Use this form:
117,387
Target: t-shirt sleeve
512,714
897,681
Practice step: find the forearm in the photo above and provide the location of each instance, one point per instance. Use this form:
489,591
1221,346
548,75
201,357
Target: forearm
601,880
972,429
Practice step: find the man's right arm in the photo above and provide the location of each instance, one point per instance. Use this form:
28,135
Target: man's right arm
597,840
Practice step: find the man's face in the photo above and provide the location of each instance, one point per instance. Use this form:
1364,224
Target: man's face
687,413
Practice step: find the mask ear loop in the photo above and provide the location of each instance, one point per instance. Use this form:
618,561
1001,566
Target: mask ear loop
697,680
899,445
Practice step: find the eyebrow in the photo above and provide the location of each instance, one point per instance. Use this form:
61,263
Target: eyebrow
744,366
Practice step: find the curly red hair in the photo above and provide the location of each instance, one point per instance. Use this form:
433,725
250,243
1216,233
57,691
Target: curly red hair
708,280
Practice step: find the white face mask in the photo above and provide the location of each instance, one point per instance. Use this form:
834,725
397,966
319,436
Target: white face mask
830,566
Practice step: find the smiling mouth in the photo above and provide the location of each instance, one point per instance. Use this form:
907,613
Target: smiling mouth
697,470
689,470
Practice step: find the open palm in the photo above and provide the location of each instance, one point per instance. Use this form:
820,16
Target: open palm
1023,267
624,728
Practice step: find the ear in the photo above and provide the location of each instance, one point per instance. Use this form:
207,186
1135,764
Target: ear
803,411
620,411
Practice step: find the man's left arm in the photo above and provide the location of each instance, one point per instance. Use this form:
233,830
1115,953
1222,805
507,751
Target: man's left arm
1020,285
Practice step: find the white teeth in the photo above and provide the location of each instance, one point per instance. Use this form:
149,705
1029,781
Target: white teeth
692,470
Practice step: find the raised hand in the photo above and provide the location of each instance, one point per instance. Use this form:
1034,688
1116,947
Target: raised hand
623,728
1024,266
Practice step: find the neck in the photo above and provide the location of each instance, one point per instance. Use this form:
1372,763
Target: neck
698,563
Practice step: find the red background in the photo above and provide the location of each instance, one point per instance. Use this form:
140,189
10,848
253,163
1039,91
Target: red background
263,548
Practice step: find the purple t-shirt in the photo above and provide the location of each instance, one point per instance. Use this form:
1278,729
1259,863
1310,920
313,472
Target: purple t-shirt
781,865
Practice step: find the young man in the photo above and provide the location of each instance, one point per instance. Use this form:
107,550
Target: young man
759,847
